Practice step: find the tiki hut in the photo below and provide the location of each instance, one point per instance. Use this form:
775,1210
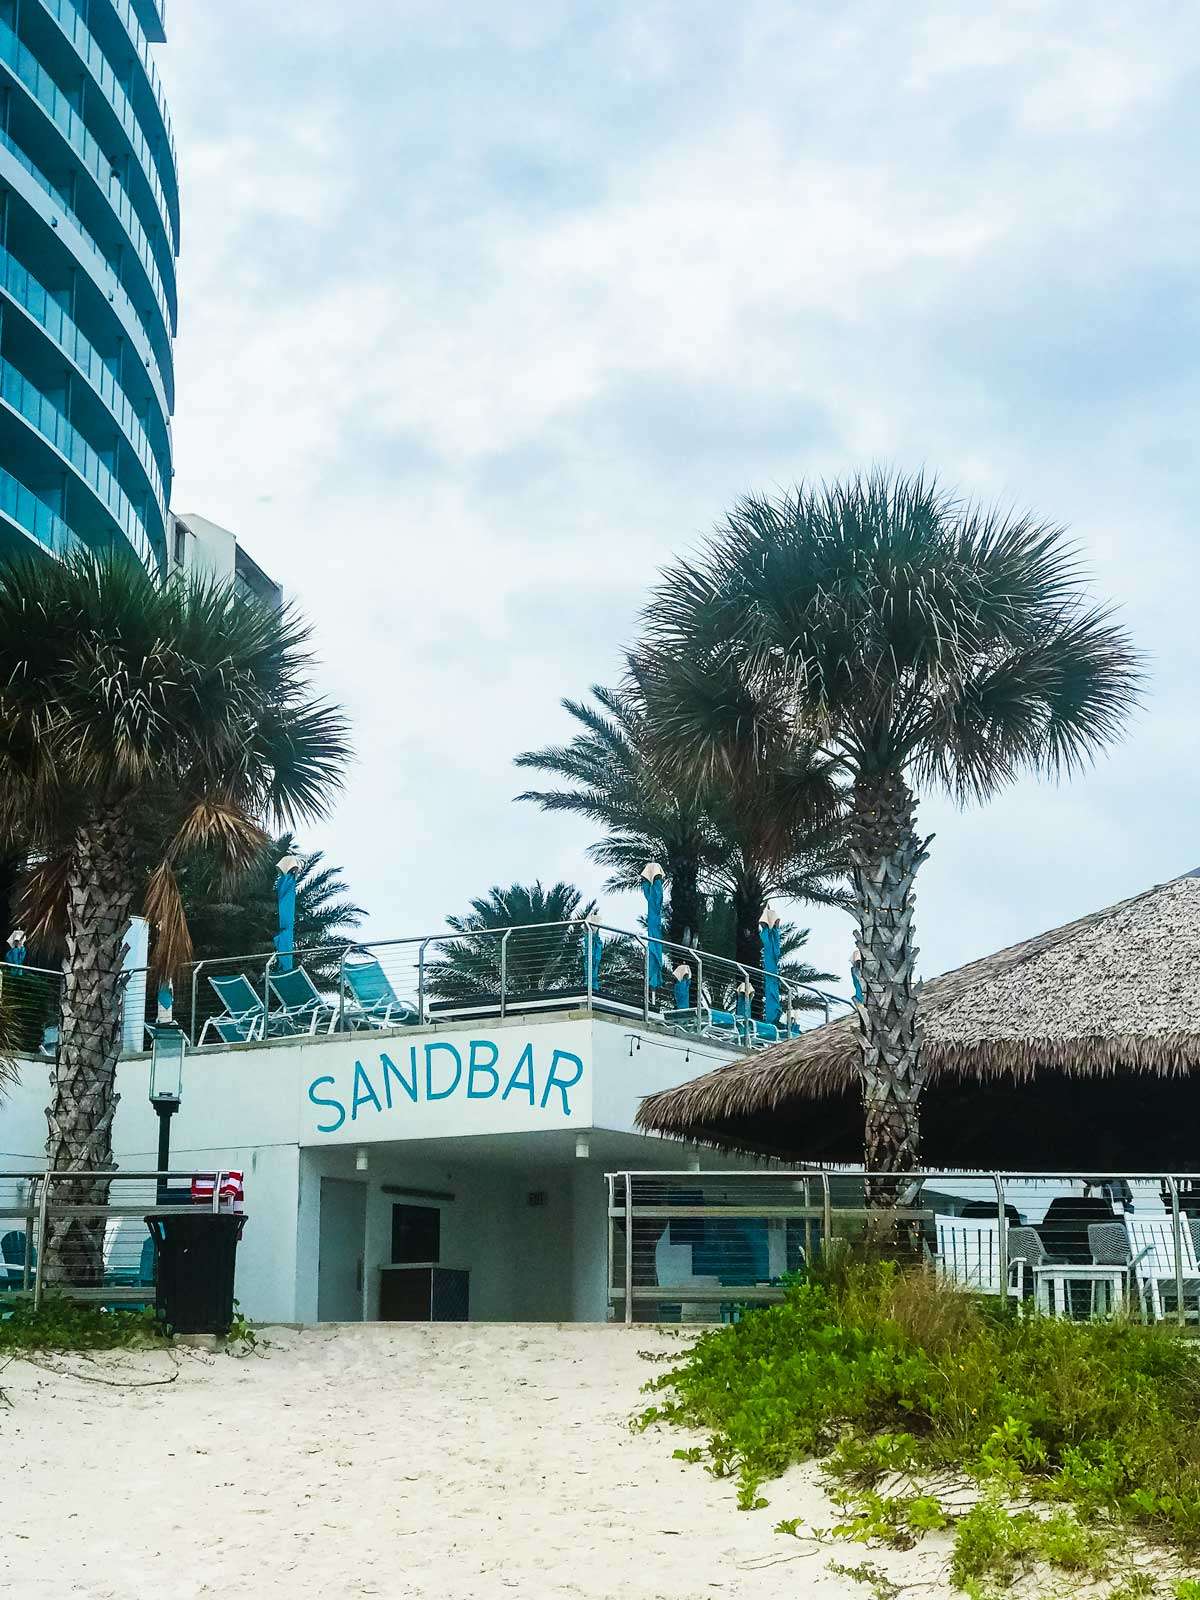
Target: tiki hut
1076,1050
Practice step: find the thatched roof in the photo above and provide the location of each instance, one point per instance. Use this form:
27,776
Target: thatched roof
1116,992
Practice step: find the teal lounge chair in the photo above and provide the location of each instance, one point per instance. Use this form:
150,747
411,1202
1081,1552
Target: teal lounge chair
370,1001
244,1015
301,1008
12,1255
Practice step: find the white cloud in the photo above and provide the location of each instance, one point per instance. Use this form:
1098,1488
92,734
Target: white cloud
487,309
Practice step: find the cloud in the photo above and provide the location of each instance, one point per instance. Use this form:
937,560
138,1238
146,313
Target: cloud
488,309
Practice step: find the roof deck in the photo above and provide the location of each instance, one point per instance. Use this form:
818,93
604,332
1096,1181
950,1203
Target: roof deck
440,980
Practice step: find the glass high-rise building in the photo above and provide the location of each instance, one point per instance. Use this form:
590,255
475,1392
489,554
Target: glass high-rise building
89,234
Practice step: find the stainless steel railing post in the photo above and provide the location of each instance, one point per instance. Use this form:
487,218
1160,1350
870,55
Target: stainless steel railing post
504,970
628,1251
43,1213
609,1286
1002,1246
1177,1234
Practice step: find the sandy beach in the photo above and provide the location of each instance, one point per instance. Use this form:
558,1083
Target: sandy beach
457,1462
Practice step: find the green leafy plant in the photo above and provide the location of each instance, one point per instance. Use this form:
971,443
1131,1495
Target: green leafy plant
63,1324
1072,1431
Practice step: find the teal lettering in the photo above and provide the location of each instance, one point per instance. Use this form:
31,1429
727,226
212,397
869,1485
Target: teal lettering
519,1082
553,1081
477,1066
333,1105
391,1070
367,1098
441,1094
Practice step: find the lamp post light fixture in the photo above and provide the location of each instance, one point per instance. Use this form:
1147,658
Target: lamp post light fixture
167,1049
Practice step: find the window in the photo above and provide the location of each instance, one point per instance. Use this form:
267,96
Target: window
416,1235
180,543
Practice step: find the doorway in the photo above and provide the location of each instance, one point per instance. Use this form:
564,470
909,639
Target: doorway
341,1251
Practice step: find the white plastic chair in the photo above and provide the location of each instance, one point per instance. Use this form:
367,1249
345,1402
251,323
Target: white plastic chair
1152,1243
968,1257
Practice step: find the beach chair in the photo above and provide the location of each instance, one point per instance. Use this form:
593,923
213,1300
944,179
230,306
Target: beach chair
301,1008
369,999
721,1025
968,1257
1152,1267
244,1016
12,1260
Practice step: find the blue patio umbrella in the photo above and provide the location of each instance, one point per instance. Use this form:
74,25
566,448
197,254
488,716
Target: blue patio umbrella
166,1004
597,950
771,940
285,898
744,1000
683,986
15,954
652,888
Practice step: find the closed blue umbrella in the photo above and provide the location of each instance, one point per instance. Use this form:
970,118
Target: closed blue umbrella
683,986
166,1004
285,899
15,955
597,950
652,888
771,939
745,1000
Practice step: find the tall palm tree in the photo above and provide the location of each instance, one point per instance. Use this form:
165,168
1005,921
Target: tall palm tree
139,716
613,784
539,958
241,918
919,641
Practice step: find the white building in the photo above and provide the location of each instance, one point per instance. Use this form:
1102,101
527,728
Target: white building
475,1146
204,547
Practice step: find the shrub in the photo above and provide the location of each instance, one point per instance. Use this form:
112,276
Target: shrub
892,1376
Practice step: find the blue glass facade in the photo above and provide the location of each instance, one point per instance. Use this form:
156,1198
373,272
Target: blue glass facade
89,235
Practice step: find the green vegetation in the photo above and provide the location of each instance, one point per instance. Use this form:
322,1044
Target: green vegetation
1069,1438
727,849
908,640
240,918
62,1324
144,722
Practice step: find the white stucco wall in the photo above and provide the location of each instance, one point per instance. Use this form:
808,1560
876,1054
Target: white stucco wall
489,1112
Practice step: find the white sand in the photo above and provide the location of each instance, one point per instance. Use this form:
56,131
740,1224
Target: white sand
392,1460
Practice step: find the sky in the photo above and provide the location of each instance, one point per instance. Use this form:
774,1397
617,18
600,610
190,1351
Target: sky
488,309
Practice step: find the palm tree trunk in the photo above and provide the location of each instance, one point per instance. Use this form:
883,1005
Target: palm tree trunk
685,915
84,1098
885,854
749,903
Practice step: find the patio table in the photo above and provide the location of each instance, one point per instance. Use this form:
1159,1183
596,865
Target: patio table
1052,1287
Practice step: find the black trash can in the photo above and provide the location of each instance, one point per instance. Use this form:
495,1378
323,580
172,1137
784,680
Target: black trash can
196,1256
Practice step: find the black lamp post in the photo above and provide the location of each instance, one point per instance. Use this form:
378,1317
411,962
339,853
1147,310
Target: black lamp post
166,1090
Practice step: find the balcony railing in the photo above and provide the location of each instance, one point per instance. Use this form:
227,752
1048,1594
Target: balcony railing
45,310
27,400
55,104
162,359
89,51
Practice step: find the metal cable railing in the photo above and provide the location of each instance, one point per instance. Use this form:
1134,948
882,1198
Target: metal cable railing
84,1234
442,977
702,1246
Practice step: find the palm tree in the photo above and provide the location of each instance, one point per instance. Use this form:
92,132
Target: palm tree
139,716
919,641
537,959
719,937
774,831
613,784
241,918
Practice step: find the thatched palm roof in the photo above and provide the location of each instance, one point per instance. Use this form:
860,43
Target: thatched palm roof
1115,993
